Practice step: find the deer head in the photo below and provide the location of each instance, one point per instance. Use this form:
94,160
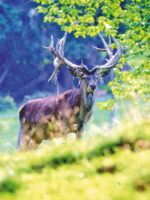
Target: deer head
89,77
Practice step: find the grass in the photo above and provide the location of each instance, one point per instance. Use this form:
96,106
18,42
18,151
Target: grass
9,127
107,164
114,167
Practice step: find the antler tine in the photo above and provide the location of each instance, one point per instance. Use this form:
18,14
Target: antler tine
57,45
56,61
51,46
60,47
63,40
52,42
113,58
119,51
84,67
109,41
108,48
57,65
99,49
58,52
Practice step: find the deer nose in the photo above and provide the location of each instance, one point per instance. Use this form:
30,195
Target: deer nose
93,86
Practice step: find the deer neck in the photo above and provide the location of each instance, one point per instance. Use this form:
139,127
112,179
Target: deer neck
87,99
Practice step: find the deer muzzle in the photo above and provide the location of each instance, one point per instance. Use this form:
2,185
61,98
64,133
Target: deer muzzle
92,87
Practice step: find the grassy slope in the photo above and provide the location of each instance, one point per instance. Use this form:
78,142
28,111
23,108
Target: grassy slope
114,167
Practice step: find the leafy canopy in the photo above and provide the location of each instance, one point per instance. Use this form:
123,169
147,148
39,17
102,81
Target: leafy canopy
126,18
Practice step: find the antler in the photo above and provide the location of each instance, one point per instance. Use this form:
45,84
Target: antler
113,59
58,52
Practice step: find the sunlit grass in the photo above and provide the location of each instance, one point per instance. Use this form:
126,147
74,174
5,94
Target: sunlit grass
114,167
107,163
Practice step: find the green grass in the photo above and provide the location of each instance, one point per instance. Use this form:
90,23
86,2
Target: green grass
114,167
9,126
106,164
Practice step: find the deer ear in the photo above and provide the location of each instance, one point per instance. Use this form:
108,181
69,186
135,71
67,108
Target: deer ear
76,73
105,73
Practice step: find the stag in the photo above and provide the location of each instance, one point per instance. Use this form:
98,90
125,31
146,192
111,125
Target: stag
53,117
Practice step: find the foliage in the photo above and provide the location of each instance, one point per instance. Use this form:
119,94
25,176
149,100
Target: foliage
12,20
129,18
6,102
25,65
81,16
114,167
18,51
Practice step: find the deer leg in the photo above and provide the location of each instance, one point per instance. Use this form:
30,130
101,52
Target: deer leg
27,143
79,134
25,140
32,145
80,129
19,139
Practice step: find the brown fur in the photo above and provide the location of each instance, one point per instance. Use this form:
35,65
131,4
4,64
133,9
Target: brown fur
51,117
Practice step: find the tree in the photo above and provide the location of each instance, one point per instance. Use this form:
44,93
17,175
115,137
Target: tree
24,64
18,50
126,19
